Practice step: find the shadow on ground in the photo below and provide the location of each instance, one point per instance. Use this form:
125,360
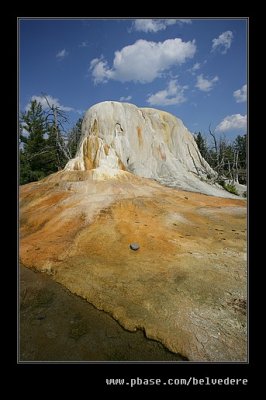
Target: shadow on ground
56,325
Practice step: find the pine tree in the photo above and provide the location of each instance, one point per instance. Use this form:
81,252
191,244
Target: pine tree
43,149
33,127
202,145
240,148
240,145
59,153
74,138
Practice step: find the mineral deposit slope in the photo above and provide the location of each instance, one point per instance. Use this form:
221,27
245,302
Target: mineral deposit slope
185,286
147,142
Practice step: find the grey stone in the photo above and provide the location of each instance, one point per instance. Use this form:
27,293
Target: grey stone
134,246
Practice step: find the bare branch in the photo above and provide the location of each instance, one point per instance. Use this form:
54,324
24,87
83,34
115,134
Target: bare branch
47,150
44,95
195,165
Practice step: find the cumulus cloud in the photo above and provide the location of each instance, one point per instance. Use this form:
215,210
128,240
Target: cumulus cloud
231,122
173,94
100,71
155,25
125,98
204,84
143,61
223,42
240,95
52,101
62,54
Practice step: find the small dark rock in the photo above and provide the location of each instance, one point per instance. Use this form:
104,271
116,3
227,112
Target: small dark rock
134,246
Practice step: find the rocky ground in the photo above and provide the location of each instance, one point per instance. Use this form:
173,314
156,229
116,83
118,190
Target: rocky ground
186,286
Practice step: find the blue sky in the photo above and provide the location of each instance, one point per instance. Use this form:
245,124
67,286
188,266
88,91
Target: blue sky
195,69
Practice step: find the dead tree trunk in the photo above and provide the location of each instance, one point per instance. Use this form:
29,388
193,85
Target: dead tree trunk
218,161
230,171
59,143
236,166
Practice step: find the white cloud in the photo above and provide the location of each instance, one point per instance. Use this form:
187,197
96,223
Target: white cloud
173,94
184,21
149,25
155,25
24,131
236,121
223,42
241,94
62,54
204,84
143,61
195,67
125,98
52,101
100,71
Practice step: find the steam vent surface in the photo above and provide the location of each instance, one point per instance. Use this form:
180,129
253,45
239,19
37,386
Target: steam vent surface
138,177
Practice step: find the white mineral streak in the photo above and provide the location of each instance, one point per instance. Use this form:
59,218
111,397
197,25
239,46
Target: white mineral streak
144,141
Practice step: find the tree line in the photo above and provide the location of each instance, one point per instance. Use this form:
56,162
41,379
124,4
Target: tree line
45,146
228,159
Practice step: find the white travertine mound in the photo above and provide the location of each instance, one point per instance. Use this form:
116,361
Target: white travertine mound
144,141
